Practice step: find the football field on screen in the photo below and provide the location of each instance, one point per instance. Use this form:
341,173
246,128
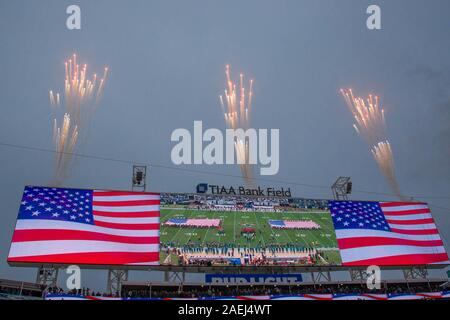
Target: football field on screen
233,222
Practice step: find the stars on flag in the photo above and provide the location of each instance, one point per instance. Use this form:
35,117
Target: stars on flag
358,215
55,204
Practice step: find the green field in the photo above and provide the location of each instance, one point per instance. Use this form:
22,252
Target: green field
233,222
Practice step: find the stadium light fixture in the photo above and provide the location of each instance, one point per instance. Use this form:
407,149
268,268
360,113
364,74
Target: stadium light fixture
139,178
341,188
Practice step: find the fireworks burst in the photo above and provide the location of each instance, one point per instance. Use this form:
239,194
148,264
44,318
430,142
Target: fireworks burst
236,104
370,124
81,97
65,139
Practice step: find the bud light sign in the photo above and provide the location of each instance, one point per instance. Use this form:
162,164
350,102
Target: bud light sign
289,279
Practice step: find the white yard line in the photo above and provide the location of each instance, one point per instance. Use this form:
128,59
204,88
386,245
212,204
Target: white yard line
170,213
207,229
257,224
304,241
331,231
234,227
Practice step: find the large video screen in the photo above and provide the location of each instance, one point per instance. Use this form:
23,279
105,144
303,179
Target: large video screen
86,227
100,227
211,230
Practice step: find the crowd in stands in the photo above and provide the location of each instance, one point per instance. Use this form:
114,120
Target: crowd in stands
211,290
259,290
80,292
175,198
215,247
217,253
241,203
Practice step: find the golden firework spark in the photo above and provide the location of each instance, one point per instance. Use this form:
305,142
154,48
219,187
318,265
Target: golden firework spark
382,152
81,97
370,124
369,116
65,139
236,104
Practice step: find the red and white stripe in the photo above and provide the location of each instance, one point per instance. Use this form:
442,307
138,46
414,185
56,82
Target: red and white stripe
125,232
297,224
356,296
417,296
413,239
201,222
361,296
304,297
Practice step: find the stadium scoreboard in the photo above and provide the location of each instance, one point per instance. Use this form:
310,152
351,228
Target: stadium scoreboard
62,226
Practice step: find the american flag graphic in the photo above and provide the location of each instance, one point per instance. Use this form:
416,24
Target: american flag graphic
293,224
386,233
194,223
77,226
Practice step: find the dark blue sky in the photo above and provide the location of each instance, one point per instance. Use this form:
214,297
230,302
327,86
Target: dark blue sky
167,61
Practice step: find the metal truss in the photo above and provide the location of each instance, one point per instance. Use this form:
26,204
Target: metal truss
358,274
47,276
320,276
174,276
415,273
115,279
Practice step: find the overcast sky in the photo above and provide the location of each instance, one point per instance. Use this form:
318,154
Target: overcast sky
167,61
